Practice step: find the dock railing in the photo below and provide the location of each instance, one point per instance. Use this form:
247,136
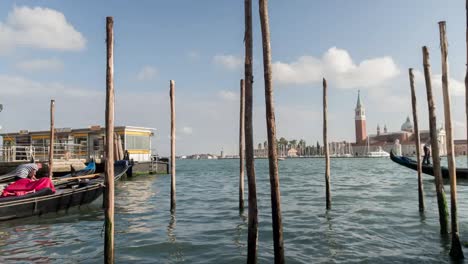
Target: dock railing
63,151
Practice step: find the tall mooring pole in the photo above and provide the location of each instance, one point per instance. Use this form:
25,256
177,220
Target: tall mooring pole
466,77
456,251
271,132
418,141
439,184
173,139
326,148
241,144
109,146
252,237
51,138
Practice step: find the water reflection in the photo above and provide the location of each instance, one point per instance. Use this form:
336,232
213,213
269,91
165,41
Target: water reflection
445,240
31,259
239,238
136,193
4,236
170,229
422,217
177,255
134,205
20,243
330,235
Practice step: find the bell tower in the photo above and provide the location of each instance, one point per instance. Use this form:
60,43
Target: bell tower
360,121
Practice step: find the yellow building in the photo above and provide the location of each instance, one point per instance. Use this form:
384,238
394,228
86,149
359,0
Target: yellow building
82,143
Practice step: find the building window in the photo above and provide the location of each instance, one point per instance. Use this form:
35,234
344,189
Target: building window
138,142
83,141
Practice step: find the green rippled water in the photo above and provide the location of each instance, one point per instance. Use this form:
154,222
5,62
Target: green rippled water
374,218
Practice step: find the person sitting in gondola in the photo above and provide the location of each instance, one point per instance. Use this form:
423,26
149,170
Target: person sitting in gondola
427,155
27,170
27,183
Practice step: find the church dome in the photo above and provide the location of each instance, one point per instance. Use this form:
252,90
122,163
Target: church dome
407,126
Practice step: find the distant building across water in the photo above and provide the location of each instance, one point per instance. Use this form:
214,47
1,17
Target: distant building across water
386,141
403,140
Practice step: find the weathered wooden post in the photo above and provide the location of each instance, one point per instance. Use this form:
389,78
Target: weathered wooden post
326,149
456,251
119,142
116,148
252,237
466,78
51,138
109,146
441,200
271,132
241,144
418,141
173,138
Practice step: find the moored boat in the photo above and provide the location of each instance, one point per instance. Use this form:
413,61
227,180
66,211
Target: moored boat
89,169
462,173
73,194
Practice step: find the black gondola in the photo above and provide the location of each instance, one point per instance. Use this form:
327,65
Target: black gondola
65,197
462,173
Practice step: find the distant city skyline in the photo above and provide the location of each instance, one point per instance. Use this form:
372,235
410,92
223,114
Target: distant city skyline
56,49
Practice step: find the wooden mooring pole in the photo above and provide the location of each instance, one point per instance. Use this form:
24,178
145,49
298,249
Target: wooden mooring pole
109,147
456,251
241,144
116,147
120,147
326,148
51,138
173,138
441,200
271,133
466,79
418,141
252,237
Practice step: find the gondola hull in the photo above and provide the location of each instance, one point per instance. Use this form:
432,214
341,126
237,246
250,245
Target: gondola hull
50,203
462,173
76,194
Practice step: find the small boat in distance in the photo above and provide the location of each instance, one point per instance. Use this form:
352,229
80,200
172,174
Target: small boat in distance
462,173
378,154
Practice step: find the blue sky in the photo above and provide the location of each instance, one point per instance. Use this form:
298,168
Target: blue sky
56,49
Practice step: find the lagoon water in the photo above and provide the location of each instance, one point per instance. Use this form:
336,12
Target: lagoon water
374,218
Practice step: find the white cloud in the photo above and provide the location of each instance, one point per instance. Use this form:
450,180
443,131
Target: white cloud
456,87
147,73
230,62
418,76
53,64
187,130
20,86
336,66
27,104
38,27
228,95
